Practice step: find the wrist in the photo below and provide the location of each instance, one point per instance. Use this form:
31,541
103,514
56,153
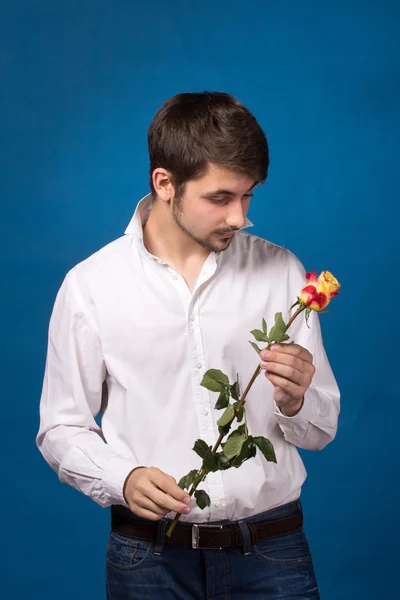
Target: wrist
292,410
126,482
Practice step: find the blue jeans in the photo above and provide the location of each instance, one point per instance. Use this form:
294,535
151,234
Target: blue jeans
275,568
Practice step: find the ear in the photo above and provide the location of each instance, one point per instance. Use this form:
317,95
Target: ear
162,181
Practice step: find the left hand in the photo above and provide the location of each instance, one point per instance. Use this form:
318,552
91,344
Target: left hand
290,369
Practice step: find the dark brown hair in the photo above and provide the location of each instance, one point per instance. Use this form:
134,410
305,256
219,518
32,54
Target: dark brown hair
193,129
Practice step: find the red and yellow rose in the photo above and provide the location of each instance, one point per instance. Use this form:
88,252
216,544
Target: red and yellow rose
318,292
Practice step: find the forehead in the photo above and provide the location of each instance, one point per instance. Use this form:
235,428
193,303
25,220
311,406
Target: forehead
220,178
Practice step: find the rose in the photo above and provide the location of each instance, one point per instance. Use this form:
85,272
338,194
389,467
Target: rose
240,445
317,294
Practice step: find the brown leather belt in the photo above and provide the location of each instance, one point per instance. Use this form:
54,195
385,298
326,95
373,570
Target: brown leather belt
206,535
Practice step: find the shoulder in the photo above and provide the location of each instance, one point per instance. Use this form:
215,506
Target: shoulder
103,265
254,251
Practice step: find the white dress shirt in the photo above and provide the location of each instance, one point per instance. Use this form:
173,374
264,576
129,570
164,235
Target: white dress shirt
130,342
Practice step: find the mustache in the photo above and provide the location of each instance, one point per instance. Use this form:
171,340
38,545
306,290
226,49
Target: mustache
225,230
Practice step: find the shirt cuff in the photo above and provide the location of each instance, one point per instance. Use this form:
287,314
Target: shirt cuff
306,412
115,473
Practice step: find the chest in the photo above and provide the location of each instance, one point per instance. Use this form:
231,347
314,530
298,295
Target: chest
151,317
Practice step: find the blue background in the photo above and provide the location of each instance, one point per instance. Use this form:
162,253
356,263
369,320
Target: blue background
80,83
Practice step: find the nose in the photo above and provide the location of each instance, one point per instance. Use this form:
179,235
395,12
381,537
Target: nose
236,215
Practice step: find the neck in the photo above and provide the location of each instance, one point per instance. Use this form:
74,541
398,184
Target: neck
163,238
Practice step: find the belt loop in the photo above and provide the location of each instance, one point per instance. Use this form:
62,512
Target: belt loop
246,539
159,545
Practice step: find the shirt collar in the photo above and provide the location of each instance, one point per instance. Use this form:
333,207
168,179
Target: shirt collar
141,215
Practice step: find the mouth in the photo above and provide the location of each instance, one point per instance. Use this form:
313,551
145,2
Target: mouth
228,234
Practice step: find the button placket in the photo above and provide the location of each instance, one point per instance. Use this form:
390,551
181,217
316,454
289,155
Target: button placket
206,424
204,414
204,399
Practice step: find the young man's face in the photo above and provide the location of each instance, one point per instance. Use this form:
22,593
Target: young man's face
212,208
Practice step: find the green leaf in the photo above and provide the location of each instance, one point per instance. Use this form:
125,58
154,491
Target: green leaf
201,448
218,375
266,448
227,416
202,499
283,338
224,430
186,481
264,326
259,335
278,331
211,462
235,441
223,461
215,461
214,380
256,348
238,413
249,450
211,384
235,391
223,398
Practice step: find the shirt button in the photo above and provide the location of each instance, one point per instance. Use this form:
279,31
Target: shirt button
174,277
199,365
217,505
204,411
191,317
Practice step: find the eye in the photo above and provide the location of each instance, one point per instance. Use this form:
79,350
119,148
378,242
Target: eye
220,201
223,200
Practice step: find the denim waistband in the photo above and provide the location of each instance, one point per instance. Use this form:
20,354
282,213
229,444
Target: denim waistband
274,513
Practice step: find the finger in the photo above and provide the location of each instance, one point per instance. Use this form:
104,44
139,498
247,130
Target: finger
144,513
148,504
286,385
168,502
286,372
285,359
294,350
169,486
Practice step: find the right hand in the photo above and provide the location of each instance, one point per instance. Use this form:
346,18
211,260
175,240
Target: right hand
151,494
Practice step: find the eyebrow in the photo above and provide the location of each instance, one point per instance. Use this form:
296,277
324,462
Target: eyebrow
223,192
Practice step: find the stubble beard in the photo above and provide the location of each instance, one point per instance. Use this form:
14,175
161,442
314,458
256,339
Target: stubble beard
206,242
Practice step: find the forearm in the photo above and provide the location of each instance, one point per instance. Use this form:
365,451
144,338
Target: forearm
315,425
83,460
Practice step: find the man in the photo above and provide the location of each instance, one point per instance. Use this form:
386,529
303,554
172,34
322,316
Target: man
133,330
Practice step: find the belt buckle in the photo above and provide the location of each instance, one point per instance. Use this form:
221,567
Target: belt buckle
196,535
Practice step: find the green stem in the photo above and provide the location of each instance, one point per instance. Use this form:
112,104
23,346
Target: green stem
201,477
296,314
202,472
